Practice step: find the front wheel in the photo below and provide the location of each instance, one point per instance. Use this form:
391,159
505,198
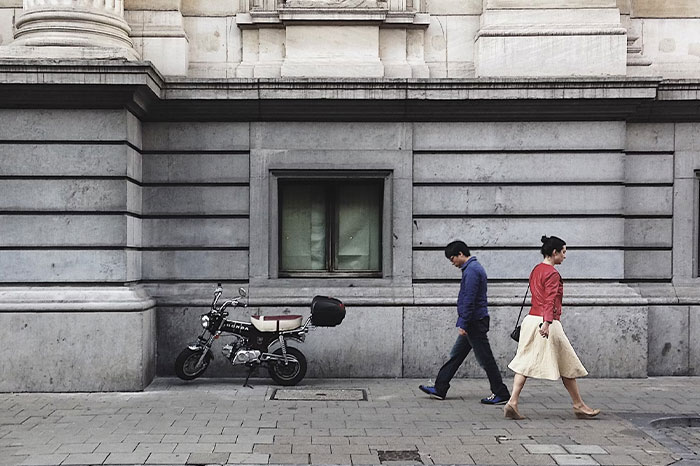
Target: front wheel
186,364
292,372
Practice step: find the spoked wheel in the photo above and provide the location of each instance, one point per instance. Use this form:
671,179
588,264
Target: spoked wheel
292,372
186,364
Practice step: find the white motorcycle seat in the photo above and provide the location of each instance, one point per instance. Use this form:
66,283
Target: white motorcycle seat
276,323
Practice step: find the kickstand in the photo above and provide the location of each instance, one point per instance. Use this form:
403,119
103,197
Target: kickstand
250,372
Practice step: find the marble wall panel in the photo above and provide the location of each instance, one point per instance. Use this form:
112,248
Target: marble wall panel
196,168
197,200
211,265
668,340
64,125
195,232
649,200
649,168
649,232
544,136
648,264
105,351
650,137
63,230
64,195
516,264
518,200
73,265
67,160
522,167
196,136
518,232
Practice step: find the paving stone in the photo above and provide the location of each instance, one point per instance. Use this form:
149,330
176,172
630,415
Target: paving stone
288,459
194,448
208,458
312,448
317,458
549,449
44,460
155,447
585,449
574,460
85,458
127,458
168,458
532,460
492,459
77,448
126,447
616,460
233,448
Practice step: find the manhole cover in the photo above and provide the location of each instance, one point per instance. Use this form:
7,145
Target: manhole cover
399,455
305,394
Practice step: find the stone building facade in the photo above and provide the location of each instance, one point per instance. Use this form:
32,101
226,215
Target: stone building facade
152,148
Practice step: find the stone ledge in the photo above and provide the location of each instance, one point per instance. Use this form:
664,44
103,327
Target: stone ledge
107,299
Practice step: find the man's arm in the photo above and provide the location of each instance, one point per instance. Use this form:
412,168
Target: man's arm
467,297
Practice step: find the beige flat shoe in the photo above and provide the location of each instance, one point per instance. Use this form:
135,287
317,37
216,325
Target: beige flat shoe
580,414
509,412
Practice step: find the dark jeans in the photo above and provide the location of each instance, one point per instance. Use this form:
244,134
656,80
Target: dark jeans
477,339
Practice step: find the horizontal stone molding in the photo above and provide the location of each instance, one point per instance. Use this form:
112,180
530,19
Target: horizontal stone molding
551,30
99,298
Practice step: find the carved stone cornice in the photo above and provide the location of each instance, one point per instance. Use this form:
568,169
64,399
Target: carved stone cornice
141,89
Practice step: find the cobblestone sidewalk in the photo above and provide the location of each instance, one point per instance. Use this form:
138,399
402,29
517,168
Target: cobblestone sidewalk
353,421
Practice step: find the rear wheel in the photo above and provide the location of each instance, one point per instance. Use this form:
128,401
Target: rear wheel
187,365
293,372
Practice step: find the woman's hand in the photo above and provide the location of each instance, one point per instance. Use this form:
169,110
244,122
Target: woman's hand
544,329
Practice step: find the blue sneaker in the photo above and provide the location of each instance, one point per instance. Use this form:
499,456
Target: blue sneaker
431,391
494,400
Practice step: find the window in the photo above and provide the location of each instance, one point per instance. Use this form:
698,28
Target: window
330,227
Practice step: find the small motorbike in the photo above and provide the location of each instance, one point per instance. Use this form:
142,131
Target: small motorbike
262,342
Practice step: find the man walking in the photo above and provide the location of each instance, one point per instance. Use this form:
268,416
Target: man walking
472,327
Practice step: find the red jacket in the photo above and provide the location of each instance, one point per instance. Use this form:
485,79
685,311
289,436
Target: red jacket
547,290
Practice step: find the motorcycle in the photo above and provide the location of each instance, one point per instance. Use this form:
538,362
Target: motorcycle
262,342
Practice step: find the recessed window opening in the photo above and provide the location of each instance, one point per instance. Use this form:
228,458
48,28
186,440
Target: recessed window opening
330,227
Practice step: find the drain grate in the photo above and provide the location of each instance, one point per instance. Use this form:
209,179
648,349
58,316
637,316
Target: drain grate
399,455
305,394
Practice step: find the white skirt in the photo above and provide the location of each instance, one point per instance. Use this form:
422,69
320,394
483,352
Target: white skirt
545,358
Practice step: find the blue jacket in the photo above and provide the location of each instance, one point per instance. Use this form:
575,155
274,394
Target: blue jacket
471,303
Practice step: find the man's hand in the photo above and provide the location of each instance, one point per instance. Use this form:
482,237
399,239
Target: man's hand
462,331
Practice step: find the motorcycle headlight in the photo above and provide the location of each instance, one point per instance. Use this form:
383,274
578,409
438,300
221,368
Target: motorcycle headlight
205,321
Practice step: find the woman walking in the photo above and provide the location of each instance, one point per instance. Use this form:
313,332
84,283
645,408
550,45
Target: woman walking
544,351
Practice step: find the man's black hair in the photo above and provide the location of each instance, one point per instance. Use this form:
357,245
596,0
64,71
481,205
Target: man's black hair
455,247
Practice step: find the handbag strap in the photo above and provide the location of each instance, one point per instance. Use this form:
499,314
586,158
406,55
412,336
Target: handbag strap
522,305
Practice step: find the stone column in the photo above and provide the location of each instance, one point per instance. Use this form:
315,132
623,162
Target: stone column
72,29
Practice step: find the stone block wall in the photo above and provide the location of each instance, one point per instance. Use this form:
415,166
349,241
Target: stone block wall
70,233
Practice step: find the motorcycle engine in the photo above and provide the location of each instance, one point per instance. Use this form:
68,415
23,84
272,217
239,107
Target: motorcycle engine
244,356
229,350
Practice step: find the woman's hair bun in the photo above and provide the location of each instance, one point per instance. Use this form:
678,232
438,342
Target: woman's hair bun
544,239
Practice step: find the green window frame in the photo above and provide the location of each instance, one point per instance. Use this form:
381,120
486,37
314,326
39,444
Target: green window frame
330,227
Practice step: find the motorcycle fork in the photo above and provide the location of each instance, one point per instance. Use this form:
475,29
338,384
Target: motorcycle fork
207,348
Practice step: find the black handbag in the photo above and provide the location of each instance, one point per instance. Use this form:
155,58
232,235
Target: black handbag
515,334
